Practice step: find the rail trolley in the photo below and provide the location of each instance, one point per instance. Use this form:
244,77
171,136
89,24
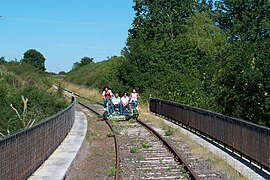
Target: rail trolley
119,112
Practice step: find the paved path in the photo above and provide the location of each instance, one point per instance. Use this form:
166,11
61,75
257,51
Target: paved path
58,164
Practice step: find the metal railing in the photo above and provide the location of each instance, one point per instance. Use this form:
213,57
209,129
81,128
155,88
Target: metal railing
22,153
250,140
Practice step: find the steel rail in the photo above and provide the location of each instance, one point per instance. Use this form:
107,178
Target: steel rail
244,139
176,154
117,152
193,175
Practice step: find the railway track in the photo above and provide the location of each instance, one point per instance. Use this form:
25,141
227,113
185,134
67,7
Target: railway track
144,156
141,153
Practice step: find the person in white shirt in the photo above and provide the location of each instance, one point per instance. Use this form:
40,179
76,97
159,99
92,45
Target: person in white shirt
116,103
125,102
134,95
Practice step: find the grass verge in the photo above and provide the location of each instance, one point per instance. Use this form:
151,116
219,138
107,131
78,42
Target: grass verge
92,94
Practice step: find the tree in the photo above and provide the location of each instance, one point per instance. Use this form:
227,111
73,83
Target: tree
2,60
244,20
208,42
156,19
203,5
244,82
84,61
34,58
155,27
62,73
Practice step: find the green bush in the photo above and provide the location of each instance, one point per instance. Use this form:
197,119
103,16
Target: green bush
25,97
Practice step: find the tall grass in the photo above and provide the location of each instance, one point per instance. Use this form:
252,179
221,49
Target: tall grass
90,93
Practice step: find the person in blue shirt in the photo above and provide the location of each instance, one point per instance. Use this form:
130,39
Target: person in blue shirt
116,103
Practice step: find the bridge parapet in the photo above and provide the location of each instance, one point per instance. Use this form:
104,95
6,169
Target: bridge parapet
245,138
22,153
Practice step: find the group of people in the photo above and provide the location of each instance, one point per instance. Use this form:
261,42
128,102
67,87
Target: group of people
122,103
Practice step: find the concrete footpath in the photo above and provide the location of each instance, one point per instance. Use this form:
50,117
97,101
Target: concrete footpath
243,167
58,164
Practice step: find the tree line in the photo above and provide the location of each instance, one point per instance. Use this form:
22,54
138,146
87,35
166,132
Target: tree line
209,54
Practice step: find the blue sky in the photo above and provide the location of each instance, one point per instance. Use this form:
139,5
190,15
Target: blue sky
64,31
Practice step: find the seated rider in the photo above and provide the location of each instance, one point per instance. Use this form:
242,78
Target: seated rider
125,103
134,95
106,95
116,103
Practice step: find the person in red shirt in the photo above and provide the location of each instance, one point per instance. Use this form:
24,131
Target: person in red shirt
106,95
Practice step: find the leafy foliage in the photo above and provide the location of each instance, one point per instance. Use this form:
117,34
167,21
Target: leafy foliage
179,65
150,51
2,60
187,51
84,61
244,20
34,58
244,82
25,97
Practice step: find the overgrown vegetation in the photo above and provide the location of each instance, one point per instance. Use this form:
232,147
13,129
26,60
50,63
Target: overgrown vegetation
169,131
112,172
84,61
194,52
26,97
34,58
110,134
97,75
138,145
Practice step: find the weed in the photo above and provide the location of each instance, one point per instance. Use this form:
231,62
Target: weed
134,149
112,172
100,116
146,144
140,158
182,167
133,126
115,124
147,169
132,121
89,136
186,175
109,134
168,169
22,79
169,131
